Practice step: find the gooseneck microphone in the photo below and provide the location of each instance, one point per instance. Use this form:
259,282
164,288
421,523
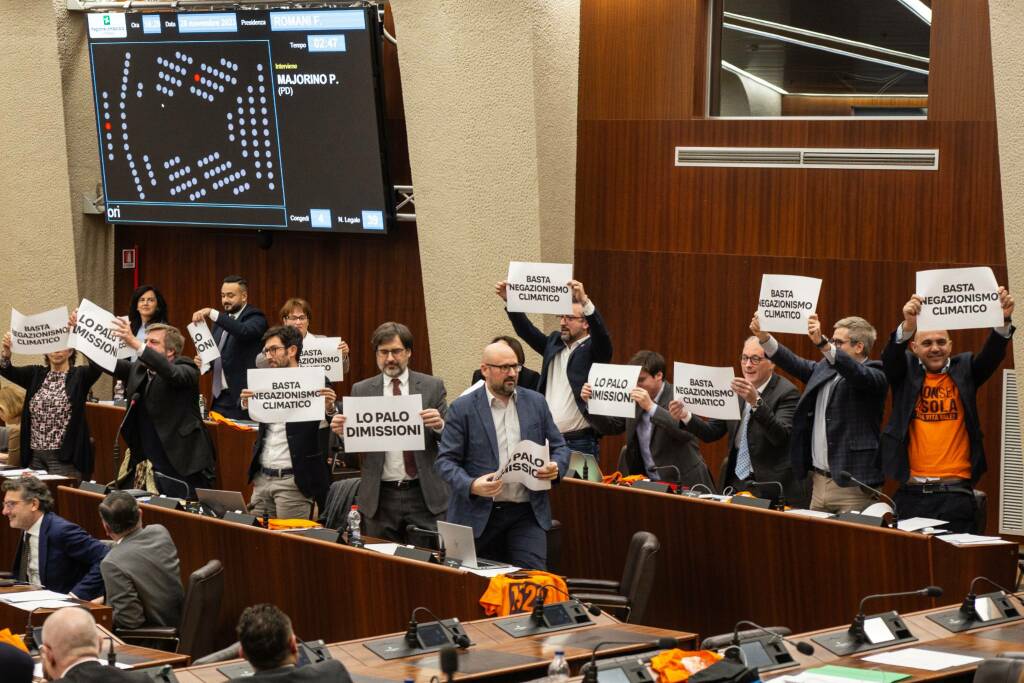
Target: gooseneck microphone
117,435
412,640
449,662
679,476
802,647
537,615
856,629
968,609
845,478
590,675
413,529
782,491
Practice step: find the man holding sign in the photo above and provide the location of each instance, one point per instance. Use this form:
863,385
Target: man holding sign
933,444
289,466
656,446
484,428
759,440
582,340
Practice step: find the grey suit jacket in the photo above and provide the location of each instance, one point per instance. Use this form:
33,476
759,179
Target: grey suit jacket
435,490
670,444
329,671
143,579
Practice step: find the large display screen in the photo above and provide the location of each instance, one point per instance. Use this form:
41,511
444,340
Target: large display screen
258,119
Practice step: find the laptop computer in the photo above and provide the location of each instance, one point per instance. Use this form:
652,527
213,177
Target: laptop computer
460,545
220,502
576,462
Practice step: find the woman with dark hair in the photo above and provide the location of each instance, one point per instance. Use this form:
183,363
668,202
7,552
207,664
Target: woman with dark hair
54,434
146,308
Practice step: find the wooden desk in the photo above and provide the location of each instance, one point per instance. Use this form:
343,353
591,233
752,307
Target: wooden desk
10,538
134,656
494,655
16,619
330,591
720,562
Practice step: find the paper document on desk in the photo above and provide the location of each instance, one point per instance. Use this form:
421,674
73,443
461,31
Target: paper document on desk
838,674
33,596
44,604
488,572
919,658
810,513
918,523
973,539
385,548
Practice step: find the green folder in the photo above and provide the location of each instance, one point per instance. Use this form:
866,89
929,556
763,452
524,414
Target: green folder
870,675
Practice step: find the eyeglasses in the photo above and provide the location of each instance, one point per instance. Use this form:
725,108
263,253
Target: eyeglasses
397,353
505,369
296,318
571,317
837,342
271,350
10,504
753,360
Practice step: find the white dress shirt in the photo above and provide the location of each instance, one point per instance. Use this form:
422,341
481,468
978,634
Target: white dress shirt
558,391
33,547
214,314
394,461
275,454
506,428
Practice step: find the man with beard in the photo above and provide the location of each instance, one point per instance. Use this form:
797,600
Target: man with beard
238,331
399,488
483,428
289,467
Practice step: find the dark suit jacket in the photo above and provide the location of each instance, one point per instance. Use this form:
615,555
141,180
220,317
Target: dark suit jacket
596,349
329,671
142,578
435,490
906,375
670,444
306,448
528,379
69,558
245,340
768,432
469,449
853,415
76,447
94,672
172,402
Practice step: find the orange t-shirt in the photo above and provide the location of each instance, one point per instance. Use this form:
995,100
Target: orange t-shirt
511,593
939,446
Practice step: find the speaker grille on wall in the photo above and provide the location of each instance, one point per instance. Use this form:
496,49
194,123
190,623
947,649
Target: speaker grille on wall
796,157
1011,479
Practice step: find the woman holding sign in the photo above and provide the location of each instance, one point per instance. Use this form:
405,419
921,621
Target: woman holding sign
54,434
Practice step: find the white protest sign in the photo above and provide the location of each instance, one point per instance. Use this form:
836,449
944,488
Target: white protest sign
958,299
94,335
609,389
383,423
539,288
125,351
206,345
706,391
523,462
286,395
322,352
40,333
786,302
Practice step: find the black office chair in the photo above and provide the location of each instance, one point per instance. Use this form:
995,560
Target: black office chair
1000,670
554,537
628,596
723,640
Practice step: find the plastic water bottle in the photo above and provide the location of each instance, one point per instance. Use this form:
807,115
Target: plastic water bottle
118,391
355,535
558,670
202,407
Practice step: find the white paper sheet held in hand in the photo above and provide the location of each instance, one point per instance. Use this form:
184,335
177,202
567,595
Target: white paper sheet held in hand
786,302
206,345
958,299
523,462
94,335
286,395
610,386
322,352
39,333
539,288
383,423
706,391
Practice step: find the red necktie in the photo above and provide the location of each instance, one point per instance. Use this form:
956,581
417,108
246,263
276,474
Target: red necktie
407,456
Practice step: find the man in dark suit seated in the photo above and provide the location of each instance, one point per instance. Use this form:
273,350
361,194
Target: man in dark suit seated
238,331
528,379
759,440
655,443
16,664
141,572
266,640
53,553
839,414
71,651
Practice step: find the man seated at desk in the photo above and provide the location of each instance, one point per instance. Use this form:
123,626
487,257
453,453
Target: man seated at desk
53,553
266,640
71,651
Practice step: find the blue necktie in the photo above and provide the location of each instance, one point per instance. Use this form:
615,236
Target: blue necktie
743,466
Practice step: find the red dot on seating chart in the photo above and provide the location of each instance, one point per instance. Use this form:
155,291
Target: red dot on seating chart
107,125
195,78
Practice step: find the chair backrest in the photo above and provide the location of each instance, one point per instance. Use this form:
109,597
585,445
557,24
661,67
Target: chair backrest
340,498
725,639
554,537
199,614
1000,670
639,570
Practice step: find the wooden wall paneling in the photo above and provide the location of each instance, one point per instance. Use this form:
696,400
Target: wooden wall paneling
960,86
804,105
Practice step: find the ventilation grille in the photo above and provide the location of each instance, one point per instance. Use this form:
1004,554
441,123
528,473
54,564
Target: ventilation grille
795,157
1011,480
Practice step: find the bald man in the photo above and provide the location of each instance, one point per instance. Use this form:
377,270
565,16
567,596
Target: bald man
482,428
71,650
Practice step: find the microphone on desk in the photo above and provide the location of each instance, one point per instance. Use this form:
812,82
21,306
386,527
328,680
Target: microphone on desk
413,529
30,639
589,669
111,655
782,492
856,629
413,641
449,662
968,609
117,435
537,615
802,647
679,475
844,478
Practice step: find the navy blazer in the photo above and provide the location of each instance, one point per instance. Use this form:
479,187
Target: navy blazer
906,375
595,349
469,449
853,416
69,558
244,342
306,448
